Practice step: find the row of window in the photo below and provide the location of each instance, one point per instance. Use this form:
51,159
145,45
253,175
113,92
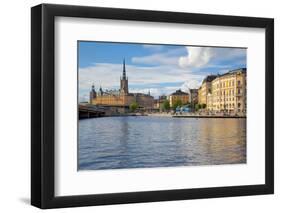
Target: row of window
227,93
228,84
226,99
226,106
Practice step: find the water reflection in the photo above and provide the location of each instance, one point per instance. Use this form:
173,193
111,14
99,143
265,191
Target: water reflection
141,142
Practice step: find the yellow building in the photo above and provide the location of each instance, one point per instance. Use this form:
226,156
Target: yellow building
228,92
179,96
205,88
121,97
112,98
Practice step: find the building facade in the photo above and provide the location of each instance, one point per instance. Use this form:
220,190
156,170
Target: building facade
229,92
179,96
121,97
205,88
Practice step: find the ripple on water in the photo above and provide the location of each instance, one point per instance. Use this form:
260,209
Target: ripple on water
146,142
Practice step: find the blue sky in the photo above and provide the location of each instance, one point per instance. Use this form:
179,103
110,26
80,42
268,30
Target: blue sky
160,69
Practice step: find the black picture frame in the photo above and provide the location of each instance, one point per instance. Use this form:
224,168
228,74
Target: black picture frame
43,105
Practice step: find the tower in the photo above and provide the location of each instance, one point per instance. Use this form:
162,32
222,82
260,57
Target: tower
100,92
124,81
93,94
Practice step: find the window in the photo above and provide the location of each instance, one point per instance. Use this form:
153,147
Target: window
239,105
238,82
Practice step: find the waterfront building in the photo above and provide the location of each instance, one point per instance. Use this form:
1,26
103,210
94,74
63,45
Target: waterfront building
179,96
120,98
228,92
193,96
209,104
156,105
159,103
161,100
205,88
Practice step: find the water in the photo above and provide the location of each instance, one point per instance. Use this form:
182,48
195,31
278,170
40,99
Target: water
144,141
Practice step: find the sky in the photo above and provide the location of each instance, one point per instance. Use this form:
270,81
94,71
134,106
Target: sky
160,69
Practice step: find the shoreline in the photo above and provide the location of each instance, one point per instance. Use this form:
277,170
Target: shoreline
206,116
195,116
171,116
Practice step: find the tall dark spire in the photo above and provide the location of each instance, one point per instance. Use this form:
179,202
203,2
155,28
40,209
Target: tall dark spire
124,89
124,69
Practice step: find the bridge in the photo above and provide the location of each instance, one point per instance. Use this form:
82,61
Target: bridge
90,111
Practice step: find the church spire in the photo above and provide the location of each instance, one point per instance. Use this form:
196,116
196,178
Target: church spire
124,69
124,89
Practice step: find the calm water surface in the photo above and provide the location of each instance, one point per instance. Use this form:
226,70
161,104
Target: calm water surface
144,141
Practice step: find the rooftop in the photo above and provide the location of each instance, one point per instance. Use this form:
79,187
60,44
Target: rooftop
243,70
179,92
209,78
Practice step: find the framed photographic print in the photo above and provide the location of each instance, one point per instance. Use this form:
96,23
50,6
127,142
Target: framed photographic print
139,106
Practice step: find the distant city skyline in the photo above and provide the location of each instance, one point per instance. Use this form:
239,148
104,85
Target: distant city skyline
160,69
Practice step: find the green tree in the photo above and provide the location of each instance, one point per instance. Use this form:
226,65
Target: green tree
177,103
134,106
197,107
166,105
204,106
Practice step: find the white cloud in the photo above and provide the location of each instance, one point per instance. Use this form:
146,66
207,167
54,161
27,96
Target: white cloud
190,84
140,78
202,56
169,68
197,57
